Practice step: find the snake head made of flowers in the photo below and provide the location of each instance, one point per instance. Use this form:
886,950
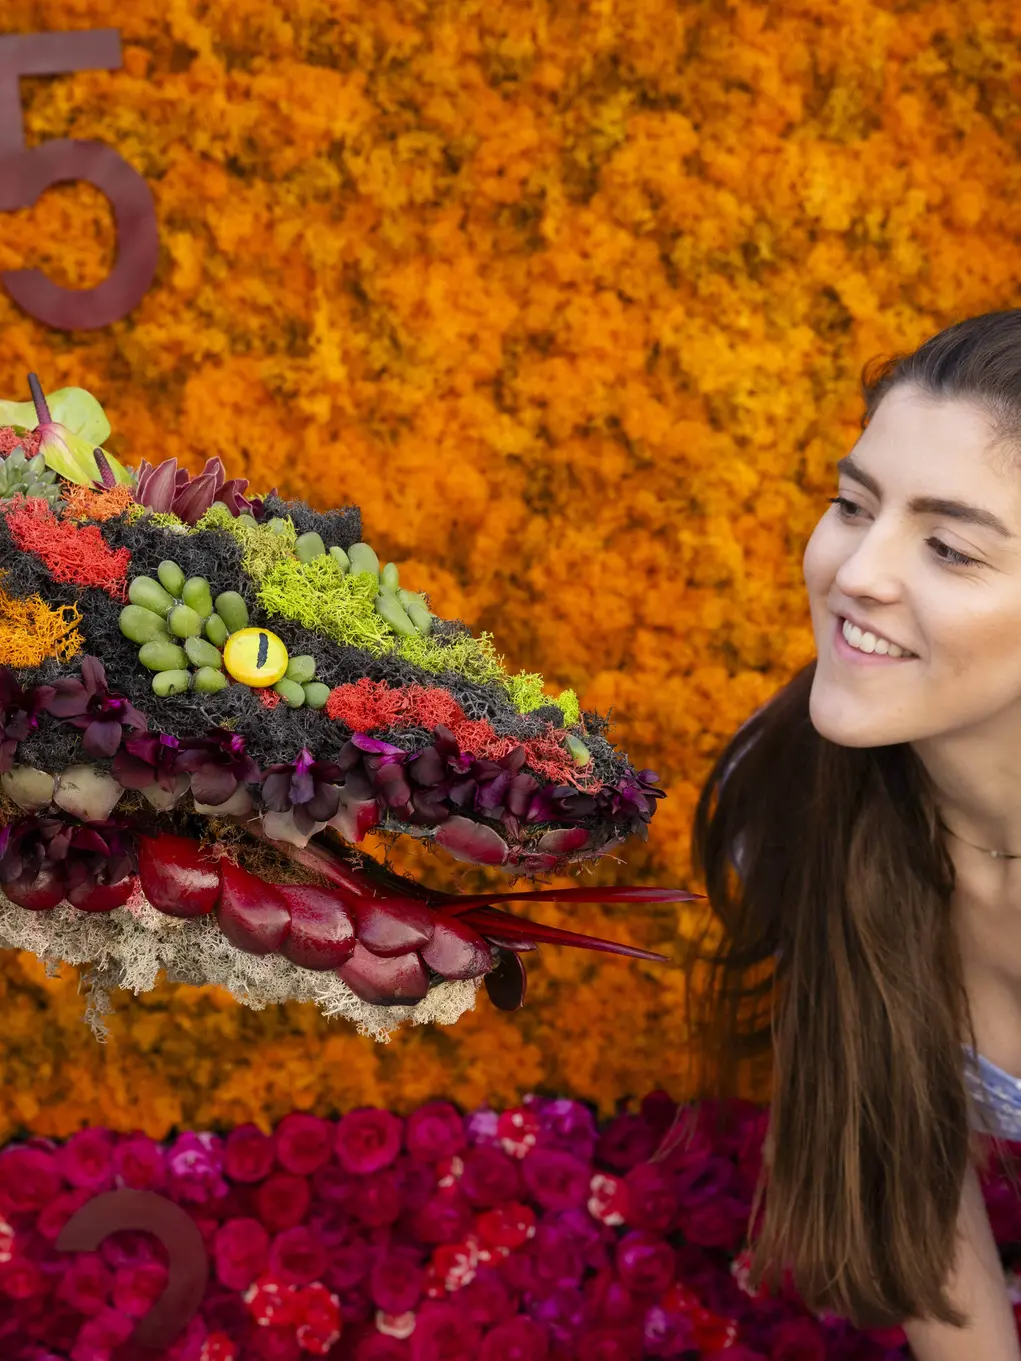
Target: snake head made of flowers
209,698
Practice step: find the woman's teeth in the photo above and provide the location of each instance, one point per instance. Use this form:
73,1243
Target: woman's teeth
870,642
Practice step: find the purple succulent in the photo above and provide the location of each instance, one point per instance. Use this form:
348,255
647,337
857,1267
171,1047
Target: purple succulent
217,764
146,759
166,487
306,786
89,706
85,853
19,711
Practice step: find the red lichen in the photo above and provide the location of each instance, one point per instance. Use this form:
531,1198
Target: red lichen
71,552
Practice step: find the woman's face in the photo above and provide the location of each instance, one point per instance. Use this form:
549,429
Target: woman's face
889,564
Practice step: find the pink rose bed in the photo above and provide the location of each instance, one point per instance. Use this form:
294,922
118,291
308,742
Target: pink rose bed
528,1235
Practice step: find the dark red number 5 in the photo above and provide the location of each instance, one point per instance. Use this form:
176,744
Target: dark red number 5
25,172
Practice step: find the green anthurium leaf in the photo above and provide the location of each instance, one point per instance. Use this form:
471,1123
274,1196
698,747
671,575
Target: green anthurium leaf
73,408
69,455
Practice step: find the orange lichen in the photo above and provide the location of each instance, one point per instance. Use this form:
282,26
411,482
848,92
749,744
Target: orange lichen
90,503
30,631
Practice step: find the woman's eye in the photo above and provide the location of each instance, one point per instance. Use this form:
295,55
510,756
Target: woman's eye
949,557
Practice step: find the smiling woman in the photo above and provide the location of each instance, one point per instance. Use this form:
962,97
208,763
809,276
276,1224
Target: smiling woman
865,943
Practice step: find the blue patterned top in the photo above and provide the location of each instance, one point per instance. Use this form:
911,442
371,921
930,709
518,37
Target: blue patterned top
995,1097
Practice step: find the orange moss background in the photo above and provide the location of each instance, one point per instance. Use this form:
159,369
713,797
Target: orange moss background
572,300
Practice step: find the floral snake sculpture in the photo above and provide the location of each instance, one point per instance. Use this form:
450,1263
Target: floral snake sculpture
207,699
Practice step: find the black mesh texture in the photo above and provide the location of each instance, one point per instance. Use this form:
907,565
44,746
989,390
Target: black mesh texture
336,528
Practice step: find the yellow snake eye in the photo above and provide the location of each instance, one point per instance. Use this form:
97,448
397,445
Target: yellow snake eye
255,657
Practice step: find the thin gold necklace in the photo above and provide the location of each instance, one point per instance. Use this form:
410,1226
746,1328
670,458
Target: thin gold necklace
997,855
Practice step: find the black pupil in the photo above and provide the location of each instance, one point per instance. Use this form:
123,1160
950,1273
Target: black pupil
263,651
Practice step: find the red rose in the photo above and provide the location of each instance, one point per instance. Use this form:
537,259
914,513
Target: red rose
434,1131
377,1199
21,1279
303,1143
139,1163
240,1252
248,1154
282,1201
368,1140
297,1256
447,1218
652,1196
29,1180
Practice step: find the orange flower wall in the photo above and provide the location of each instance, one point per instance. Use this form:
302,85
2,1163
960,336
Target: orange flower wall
572,300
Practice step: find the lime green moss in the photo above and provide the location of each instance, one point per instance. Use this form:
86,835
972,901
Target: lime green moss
526,693
319,596
263,547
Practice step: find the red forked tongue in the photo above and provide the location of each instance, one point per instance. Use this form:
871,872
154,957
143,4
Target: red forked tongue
509,927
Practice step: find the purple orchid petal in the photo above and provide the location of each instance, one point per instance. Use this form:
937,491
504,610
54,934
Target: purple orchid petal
158,492
374,744
192,502
213,785
102,737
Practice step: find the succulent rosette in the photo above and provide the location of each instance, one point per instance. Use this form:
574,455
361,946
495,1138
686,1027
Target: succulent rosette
209,698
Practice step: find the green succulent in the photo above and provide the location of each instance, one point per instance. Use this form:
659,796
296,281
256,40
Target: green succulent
24,476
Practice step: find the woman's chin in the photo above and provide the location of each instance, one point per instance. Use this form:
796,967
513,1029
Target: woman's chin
849,724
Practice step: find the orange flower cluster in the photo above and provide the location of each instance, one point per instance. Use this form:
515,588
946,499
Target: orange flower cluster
572,301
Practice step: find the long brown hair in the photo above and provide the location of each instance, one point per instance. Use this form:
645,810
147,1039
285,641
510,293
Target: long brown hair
828,887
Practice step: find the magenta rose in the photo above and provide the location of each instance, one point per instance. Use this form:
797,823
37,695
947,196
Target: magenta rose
446,1218
415,1182
659,1110
297,1256
248,1154
645,1263
434,1131
395,1281
29,1179
563,1313
798,1339
556,1180
85,1284
86,1160
443,1334
281,1201
486,1298
377,1347
377,1199
56,1214
490,1177
333,1186
368,1140
195,1168
565,1125
652,1193
240,1252
303,1143
98,1335
139,1164
519,1339
715,1222
625,1142
136,1289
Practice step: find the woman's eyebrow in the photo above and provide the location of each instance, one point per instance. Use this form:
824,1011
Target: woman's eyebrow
928,505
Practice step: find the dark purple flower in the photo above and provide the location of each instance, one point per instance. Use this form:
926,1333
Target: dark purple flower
557,1181
168,488
396,1280
645,1262
19,711
94,853
490,1176
145,759
89,706
306,786
217,764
